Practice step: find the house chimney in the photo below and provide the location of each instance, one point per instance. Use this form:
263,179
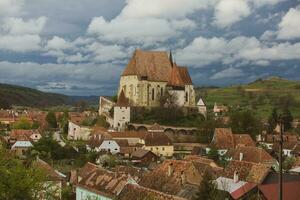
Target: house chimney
236,177
241,156
170,169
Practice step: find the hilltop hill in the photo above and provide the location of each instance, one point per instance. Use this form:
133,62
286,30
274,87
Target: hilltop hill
23,96
261,95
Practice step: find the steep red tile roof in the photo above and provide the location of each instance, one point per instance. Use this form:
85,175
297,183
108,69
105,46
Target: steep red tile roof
137,192
87,169
223,138
243,140
22,134
155,65
251,154
248,171
122,100
104,182
185,76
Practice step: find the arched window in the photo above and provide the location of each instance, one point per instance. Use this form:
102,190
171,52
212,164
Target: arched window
152,94
161,91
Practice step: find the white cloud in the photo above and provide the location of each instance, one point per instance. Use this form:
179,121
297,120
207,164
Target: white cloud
289,27
203,51
10,7
228,12
18,26
58,43
230,72
268,35
20,43
143,21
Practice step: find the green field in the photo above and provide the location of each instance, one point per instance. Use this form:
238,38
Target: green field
261,96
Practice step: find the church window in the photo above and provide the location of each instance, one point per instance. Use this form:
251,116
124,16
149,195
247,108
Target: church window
152,94
186,97
161,91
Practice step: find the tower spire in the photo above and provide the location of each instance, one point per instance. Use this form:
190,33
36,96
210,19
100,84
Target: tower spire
171,58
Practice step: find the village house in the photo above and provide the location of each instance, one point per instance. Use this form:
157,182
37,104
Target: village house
24,135
143,157
178,177
101,184
240,178
219,110
202,109
133,137
149,74
224,139
270,139
54,180
77,131
159,143
19,148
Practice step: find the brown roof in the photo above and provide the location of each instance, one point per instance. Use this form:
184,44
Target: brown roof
133,172
248,171
155,65
286,137
122,143
87,169
156,128
158,179
157,139
185,76
104,182
50,173
251,154
128,134
243,140
122,100
132,191
223,138
22,134
140,153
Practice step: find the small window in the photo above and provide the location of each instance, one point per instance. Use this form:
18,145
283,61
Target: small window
161,91
186,97
152,94
163,148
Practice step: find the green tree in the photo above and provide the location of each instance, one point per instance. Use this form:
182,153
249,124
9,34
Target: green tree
245,122
23,123
51,120
287,119
288,163
63,121
273,120
208,189
213,154
18,182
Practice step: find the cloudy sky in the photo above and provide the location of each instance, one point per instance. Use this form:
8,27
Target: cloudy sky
80,47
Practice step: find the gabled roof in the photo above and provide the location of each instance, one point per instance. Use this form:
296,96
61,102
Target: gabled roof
155,65
251,154
128,134
156,128
22,134
200,102
223,138
104,182
157,139
248,171
243,140
140,153
122,100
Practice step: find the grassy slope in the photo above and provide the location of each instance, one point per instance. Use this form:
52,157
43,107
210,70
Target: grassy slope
16,95
264,93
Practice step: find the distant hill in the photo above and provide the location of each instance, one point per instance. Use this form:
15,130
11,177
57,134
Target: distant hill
261,95
23,96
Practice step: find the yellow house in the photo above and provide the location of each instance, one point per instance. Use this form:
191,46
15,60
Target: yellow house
159,143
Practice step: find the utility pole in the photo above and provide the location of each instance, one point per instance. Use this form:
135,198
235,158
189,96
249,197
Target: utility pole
280,158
